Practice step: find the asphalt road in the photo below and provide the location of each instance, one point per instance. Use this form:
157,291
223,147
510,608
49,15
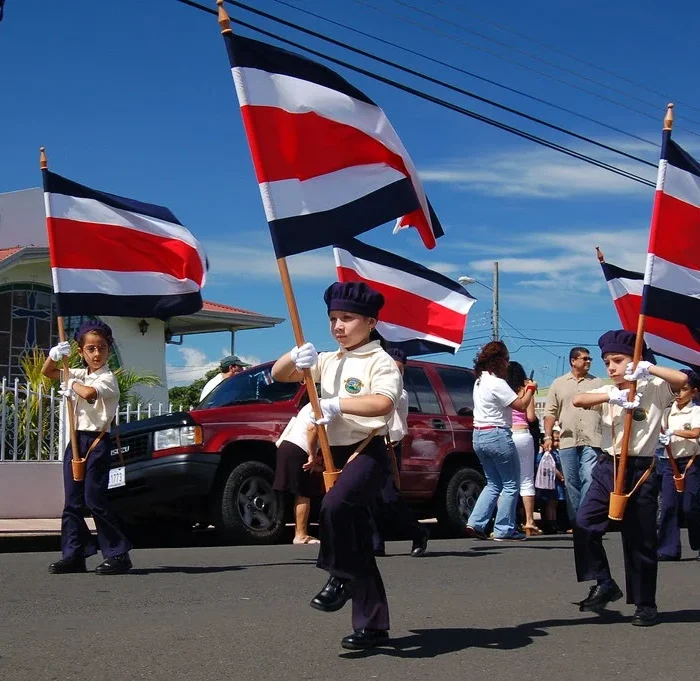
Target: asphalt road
467,610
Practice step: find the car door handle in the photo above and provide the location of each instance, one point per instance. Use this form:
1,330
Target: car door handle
438,424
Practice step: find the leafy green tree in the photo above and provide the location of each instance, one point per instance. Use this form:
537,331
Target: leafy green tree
188,395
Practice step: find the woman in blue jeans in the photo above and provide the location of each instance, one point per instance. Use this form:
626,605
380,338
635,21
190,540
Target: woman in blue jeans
494,401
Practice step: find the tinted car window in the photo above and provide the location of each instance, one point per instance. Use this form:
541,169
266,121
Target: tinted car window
251,386
421,396
460,387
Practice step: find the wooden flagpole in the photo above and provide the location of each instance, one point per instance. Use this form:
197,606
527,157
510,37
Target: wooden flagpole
77,462
331,473
618,499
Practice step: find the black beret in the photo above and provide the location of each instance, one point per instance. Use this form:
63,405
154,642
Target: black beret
623,341
94,325
354,296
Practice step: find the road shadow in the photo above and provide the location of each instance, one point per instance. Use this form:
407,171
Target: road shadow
213,569
469,553
428,643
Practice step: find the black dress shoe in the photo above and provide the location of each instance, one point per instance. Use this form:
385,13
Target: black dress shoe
116,565
645,616
664,559
67,565
364,638
420,545
333,596
599,596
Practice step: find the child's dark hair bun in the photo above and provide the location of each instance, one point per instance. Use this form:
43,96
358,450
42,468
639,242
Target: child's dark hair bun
96,326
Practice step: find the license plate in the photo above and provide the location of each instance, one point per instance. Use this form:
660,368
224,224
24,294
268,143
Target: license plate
117,477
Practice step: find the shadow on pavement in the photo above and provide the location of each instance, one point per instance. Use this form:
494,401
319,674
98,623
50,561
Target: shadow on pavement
427,643
212,569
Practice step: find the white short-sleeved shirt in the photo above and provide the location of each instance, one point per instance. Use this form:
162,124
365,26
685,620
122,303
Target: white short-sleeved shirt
98,415
398,426
655,396
296,431
492,400
367,370
210,385
687,418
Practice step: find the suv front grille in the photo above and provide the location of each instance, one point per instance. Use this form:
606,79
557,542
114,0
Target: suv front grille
134,448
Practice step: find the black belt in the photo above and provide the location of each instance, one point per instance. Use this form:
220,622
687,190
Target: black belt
640,463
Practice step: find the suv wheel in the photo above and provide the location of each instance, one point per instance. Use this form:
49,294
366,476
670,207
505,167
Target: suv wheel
459,494
250,510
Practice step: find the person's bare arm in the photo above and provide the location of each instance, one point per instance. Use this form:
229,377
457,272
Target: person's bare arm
284,371
588,400
549,422
521,403
51,369
676,379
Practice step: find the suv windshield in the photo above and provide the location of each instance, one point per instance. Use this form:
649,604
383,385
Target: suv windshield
254,385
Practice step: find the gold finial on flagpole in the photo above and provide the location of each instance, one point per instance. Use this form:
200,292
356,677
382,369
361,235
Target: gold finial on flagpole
224,18
43,162
668,118
599,253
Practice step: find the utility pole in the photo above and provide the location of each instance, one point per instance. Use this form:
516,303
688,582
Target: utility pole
494,313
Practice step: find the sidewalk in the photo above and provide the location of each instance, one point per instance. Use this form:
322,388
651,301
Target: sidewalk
34,534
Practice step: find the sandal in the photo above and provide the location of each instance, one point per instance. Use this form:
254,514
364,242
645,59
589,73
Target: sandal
307,540
532,530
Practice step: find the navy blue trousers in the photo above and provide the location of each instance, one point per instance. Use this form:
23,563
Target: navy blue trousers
677,507
76,538
392,513
638,528
345,530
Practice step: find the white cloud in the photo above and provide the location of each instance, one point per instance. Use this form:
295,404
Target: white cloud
197,364
233,261
541,173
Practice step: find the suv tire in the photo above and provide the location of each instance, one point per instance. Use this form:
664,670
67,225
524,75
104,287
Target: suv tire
250,511
457,497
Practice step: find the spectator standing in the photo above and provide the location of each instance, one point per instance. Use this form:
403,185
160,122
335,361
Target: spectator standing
580,428
494,401
230,366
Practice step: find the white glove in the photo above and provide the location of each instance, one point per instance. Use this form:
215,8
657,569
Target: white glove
59,351
304,357
642,371
665,437
621,398
330,407
67,390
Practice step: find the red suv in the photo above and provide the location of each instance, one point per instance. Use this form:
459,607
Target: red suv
215,464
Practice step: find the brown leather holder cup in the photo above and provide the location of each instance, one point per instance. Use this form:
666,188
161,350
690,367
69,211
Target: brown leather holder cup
618,503
78,466
330,478
679,482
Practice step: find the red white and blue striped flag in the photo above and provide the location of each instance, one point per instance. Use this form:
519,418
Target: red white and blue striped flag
424,311
116,256
672,274
328,162
667,338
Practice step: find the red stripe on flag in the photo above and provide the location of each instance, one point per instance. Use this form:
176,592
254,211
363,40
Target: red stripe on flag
412,311
288,145
88,245
628,308
676,231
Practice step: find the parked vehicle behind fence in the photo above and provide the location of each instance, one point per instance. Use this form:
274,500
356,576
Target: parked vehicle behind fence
215,463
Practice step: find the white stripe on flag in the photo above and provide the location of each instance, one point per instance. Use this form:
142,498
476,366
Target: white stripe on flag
679,184
398,334
91,210
622,287
290,198
260,88
681,353
68,280
424,288
671,277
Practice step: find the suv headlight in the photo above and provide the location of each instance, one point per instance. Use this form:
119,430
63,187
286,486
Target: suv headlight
177,437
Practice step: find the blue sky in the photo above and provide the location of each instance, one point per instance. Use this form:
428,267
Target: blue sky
136,98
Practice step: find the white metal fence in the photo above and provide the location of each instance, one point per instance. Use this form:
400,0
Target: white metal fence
32,421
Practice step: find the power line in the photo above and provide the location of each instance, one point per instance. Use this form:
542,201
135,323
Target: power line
436,100
517,63
557,50
458,69
437,81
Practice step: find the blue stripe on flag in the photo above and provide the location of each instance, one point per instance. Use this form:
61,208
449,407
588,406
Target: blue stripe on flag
677,156
396,262
160,307
55,184
253,54
673,307
314,230
614,272
418,346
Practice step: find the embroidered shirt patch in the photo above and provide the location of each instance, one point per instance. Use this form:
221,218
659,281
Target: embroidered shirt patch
353,386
